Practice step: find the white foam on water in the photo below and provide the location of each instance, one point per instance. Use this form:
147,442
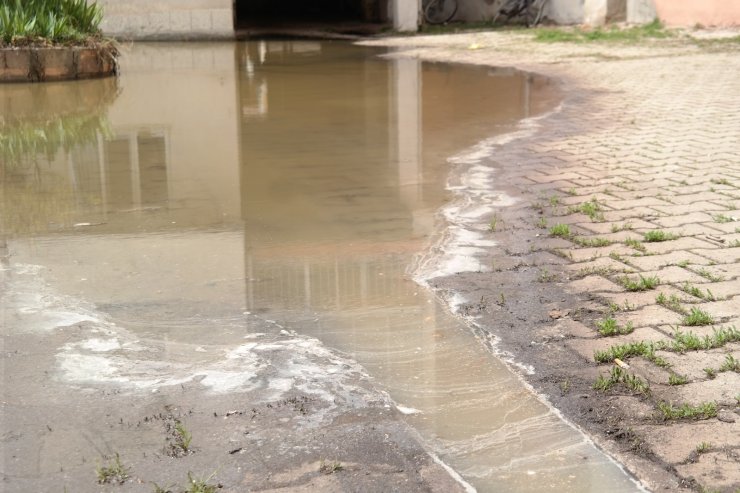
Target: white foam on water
101,345
407,410
463,244
35,307
101,352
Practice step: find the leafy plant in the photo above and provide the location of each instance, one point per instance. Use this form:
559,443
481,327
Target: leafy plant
24,21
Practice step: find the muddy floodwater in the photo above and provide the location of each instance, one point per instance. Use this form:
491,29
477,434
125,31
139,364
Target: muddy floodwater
221,206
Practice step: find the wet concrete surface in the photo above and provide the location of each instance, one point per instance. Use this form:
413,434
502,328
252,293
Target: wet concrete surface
229,243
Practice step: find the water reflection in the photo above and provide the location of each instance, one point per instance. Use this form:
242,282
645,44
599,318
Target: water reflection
293,181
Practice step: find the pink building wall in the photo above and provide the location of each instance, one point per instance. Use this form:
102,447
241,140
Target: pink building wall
704,12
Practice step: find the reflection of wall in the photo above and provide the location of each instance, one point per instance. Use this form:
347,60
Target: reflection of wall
166,154
135,169
186,96
318,158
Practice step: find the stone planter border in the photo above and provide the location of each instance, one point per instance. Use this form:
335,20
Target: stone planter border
41,63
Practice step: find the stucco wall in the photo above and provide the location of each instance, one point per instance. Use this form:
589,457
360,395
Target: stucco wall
705,12
641,11
168,19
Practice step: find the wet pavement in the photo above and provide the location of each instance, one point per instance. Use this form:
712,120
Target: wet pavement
639,168
241,233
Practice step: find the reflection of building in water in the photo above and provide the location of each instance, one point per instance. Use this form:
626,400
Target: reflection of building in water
348,157
167,149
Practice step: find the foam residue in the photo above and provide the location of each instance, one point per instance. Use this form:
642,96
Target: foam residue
36,307
102,352
466,237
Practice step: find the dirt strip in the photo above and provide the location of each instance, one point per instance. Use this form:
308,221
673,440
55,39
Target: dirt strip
616,275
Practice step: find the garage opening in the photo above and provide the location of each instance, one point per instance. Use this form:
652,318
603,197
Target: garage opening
299,17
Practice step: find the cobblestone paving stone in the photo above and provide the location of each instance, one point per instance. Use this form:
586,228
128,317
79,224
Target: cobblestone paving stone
649,136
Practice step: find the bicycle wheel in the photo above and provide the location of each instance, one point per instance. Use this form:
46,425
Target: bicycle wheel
440,11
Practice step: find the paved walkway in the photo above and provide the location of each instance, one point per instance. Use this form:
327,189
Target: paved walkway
639,175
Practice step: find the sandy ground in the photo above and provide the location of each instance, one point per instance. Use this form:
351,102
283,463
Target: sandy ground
646,140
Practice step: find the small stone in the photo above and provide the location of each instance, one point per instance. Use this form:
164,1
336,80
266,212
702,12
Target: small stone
726,416
555,314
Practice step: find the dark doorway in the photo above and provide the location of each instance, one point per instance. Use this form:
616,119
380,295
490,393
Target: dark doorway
281,17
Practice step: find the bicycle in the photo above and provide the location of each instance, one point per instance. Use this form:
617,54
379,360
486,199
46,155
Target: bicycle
439,11
530,10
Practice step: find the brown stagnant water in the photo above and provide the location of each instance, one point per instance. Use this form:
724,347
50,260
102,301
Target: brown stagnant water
287,181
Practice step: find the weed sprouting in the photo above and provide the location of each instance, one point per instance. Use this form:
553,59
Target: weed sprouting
592,209
623,351
616,376
672,303
702,411
710,372
330,467
113,472
200,485
721,218
697,317
708,275
565,386
643,284
703,447
688,341
658,235
694,291
610,327
616,228
183,435
721,181
637,245
591,242
493,223
730,364
561,230
547,276
676,379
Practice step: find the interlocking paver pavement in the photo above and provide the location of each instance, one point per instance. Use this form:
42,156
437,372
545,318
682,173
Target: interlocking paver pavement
650,134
